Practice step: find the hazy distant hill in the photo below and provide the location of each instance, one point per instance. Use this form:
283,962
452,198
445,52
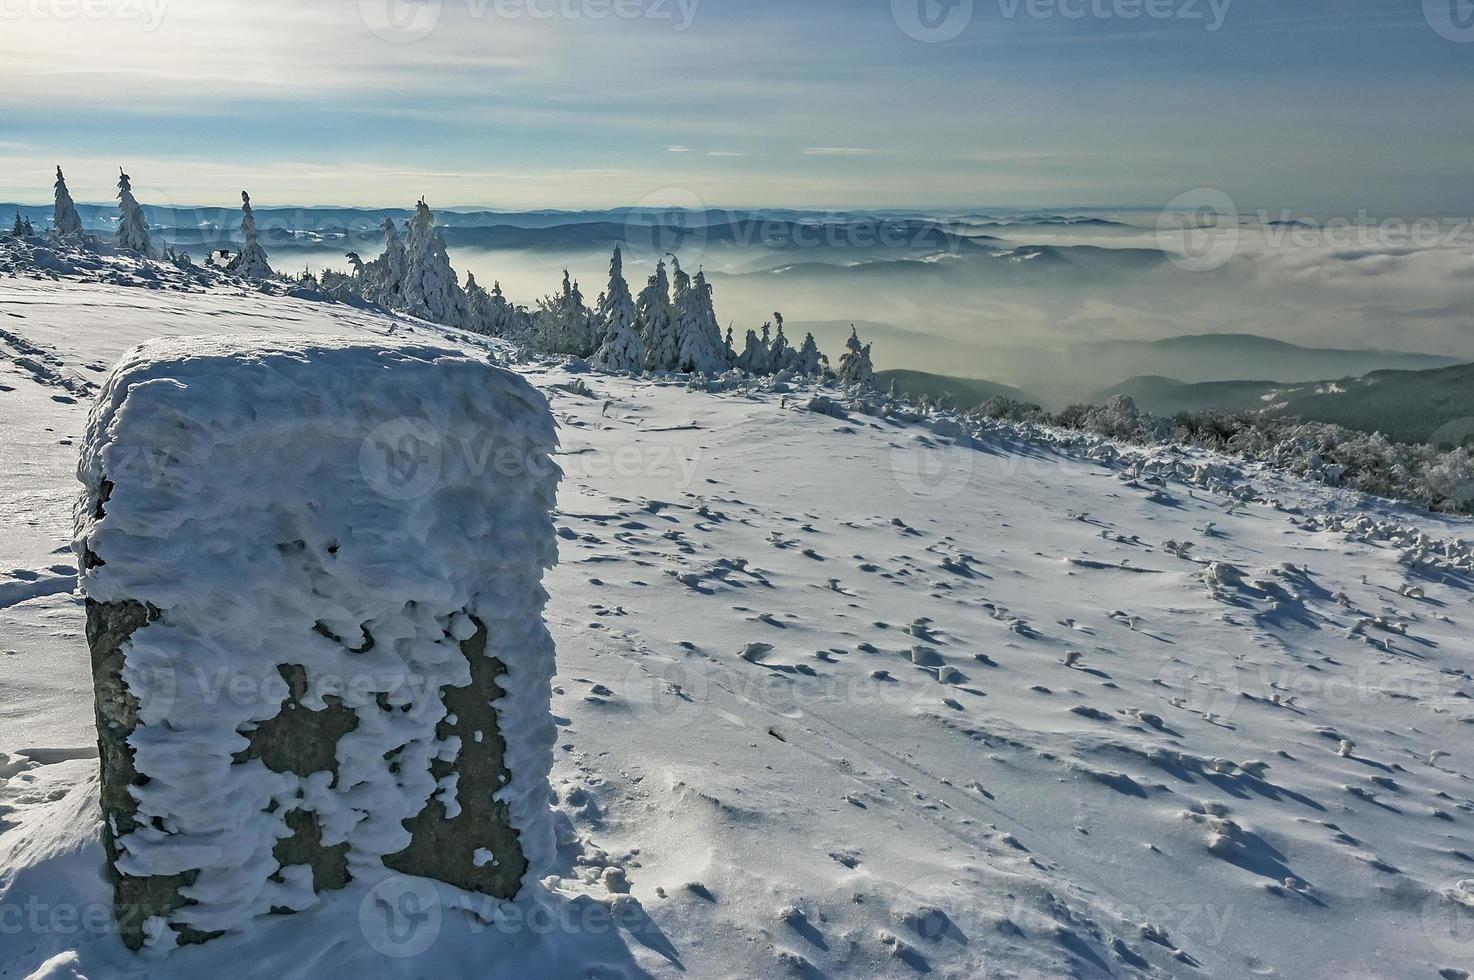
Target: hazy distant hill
1157,369
961,392
1232,357
1168,396
1405,406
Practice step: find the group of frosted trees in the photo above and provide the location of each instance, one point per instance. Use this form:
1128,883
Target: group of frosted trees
132,233
671,326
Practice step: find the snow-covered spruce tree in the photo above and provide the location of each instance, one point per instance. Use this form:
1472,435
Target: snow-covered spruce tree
754,359
620,347
809,361
432,290
383,278
866,369
564,324
65,222
250,262
580,319
616,306
731,351
509,322
698,337
18,229
656,320
478,306
854,363
132,225
781,355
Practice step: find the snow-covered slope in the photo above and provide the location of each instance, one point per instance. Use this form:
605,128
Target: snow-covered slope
848,697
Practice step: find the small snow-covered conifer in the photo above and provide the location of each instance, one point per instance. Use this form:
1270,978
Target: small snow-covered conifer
251,261
65,222
754,359
564,324
854,363
616,306
132,225
781,355
620,346
384,276
656,320
432,290
808,360
507,321
699,338
622,349
479,306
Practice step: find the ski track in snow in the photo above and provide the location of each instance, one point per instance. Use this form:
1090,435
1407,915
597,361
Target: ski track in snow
839,697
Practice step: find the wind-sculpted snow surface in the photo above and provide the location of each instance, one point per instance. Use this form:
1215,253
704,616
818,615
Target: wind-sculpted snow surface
311,568
850,688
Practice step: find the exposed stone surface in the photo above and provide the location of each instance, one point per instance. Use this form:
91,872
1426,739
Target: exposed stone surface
445,847
136,899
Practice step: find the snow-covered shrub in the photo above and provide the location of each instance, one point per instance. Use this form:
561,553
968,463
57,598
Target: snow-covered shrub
1367,462
312,572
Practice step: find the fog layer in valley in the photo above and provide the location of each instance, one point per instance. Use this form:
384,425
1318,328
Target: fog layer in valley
1060,306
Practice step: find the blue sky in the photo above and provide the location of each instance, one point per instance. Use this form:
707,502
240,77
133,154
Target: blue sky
1313,105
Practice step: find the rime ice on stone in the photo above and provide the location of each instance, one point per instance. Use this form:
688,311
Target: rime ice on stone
314,602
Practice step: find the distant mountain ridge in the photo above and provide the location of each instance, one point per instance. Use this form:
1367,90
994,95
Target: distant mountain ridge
1434,405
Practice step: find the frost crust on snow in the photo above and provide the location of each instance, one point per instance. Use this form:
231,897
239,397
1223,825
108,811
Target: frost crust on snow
334,549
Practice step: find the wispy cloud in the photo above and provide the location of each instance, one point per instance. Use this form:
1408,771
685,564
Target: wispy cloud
724,153
839,151
678,149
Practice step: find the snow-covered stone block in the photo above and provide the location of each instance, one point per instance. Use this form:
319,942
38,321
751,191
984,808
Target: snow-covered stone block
314,605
